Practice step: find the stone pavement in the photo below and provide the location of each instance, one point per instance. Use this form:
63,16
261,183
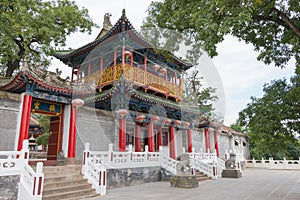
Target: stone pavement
256,184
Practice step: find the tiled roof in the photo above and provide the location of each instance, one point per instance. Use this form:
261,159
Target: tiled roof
123,24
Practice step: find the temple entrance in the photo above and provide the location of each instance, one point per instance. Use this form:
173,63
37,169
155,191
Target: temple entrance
45,131
53,142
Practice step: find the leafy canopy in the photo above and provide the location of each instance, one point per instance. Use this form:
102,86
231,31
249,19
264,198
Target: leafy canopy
273,121
272,26
31,29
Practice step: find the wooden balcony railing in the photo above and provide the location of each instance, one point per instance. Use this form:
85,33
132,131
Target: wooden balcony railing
139,77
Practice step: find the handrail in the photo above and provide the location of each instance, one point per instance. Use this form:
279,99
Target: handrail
16,163
203,156
138,76
220,165
95,161
168,163
274,164
210,170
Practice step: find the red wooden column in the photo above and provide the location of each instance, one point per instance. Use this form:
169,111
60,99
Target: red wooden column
122,134
172,142
150,137
190,145
122,129
72,132
159,137
24,124
137,138
216,142
207,144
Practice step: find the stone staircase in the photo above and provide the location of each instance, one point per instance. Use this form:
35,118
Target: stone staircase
201,177
66,182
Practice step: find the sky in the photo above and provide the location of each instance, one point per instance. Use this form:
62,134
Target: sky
235,72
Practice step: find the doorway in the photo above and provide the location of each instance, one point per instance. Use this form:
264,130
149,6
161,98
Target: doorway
45,131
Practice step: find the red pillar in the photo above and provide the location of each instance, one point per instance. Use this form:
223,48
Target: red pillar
216,142
150,137
137,138
122,134
190,145
172,142
72,132
24,124
159,137
207,144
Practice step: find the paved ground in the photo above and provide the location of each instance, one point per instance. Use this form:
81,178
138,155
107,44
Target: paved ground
256,184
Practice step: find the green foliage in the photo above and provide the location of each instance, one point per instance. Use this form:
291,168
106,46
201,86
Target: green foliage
196,95
273,26
31,29
43,139
44,122
273,120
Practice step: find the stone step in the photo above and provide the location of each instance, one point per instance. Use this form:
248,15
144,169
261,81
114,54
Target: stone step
62,178
83,197
69,195
47,169
200,176
64,183
67,188
60,173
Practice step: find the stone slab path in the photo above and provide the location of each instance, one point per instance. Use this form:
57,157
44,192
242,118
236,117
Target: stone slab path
256,184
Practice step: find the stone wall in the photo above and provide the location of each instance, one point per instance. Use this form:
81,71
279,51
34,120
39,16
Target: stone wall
9,109
96,128
133,176
9,187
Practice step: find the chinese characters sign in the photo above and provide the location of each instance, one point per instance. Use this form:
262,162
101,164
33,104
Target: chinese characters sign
45,106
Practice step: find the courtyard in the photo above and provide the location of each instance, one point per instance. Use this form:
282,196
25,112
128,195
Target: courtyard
256,184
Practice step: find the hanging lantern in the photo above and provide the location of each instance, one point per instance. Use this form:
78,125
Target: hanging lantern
177,122
155,67
122,112
167,121
140,118
77,102
155,118
163,70
186,124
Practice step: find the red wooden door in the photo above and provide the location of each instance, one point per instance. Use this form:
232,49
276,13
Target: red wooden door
53,147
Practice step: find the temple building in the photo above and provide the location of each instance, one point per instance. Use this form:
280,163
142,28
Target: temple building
122,92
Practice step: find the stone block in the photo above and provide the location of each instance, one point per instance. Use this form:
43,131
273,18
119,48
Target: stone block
231,173
184,181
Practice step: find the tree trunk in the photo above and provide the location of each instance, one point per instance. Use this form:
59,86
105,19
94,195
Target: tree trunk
11,67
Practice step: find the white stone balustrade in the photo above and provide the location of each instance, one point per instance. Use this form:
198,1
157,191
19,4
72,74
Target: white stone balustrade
94,171
16,163
274,164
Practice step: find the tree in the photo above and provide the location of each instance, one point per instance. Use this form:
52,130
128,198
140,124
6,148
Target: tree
43,140
272,26
31,29
196,95
273,120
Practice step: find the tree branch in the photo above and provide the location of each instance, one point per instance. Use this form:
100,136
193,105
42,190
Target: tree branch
288,21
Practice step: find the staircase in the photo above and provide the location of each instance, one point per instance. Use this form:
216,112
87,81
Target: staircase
201,177
66,182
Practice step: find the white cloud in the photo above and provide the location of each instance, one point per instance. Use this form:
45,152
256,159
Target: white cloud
242,75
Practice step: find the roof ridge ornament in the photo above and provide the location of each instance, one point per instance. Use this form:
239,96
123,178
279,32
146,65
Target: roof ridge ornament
107,22
123,13
24,66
